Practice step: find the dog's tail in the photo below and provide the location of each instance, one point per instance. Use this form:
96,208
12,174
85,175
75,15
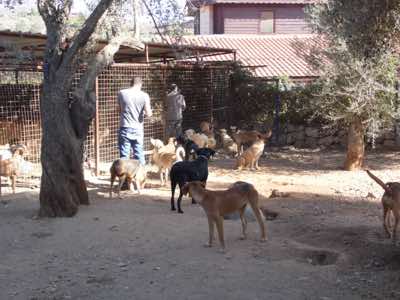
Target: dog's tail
380,182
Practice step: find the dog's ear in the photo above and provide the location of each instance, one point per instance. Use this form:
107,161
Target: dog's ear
152,141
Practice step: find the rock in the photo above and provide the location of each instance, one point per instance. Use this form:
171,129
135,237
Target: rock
389,143
311,143
326,141
269,214
312,132
299,144
291,128
290,139
278,194
389,135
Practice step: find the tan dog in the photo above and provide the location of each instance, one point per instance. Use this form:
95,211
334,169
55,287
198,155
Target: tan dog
170,146
11,160
127,169
249,158
243,137
216,204
164,159
390,203
205,127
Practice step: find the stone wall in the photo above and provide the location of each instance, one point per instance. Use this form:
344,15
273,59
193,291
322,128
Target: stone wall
313,137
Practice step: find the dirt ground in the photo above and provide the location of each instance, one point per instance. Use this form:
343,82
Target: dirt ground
326,243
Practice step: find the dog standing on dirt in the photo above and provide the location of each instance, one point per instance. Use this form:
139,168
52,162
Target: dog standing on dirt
216,204
243,137
185,171
11,161
390,203
128,169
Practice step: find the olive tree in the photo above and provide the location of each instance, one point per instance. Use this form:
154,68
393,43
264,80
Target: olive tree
358,66
66,118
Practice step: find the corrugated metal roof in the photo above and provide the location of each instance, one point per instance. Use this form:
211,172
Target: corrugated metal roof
262,1
270,55
198,3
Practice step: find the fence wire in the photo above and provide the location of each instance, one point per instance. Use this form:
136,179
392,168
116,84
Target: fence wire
205,90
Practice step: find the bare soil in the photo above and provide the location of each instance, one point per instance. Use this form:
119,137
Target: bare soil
326,243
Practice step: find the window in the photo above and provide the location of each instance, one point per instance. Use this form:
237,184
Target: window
267,22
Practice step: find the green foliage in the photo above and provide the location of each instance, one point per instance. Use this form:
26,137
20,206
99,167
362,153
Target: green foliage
369,28
358,66
253,99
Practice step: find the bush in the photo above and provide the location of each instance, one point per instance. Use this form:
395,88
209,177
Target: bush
253,99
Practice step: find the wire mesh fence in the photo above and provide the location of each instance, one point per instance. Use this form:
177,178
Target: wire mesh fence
205,90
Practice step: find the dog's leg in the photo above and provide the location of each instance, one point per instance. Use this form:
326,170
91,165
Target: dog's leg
386,220
180,200
111,184
210,231
258,215
166,176
220,228
13,181
161,177
121,182
138,185
396,223
257,167
244,223
173,187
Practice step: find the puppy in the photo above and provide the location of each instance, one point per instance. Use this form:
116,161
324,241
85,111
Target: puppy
250,157
216,204
390,203
243,137
127,169
185,171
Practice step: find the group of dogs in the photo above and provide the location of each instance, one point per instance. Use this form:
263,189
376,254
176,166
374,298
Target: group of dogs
187,159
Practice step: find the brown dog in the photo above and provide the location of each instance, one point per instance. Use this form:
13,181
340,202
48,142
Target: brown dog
243,137
250,157
216,204
390,203
127,169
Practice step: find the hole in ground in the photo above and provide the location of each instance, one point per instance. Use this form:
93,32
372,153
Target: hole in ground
320,257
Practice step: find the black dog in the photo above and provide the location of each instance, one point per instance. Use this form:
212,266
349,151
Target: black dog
189,146
186,171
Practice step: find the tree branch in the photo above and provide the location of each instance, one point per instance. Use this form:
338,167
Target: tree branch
85,33
155,22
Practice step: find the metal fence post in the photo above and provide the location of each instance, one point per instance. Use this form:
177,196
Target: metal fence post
96,131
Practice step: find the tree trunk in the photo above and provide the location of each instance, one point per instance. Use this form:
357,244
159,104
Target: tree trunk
63,187
355,146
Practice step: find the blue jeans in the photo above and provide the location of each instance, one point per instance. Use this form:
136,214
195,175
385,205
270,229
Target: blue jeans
131,138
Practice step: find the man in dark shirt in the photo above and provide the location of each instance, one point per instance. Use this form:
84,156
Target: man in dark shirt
175,105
